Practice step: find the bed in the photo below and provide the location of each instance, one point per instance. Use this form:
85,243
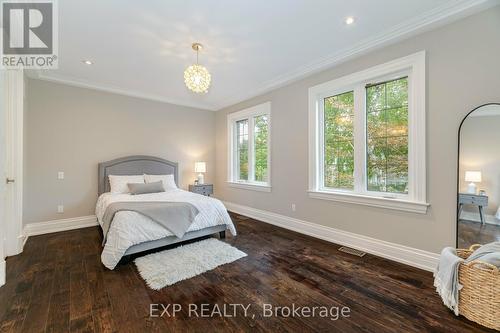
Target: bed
131,232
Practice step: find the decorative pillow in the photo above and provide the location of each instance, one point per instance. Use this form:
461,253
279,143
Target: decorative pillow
119,184
137,188
167,180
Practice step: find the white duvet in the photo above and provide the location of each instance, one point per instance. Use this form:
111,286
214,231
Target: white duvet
131,228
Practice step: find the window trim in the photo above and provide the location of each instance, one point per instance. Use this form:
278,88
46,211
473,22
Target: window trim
414,67
232,118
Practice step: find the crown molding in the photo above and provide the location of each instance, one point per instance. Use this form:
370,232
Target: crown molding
39,75
439,16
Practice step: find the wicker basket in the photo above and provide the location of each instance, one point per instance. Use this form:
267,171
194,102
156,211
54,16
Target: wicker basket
479,299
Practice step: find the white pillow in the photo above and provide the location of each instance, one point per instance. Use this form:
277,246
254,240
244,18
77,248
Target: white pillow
119,184
167,180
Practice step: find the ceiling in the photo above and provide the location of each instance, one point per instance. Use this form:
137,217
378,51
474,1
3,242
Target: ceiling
142,48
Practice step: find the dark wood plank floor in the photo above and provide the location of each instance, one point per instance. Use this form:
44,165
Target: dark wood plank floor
58,284
470,233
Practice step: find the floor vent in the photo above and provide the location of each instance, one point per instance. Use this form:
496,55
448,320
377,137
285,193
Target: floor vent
352,251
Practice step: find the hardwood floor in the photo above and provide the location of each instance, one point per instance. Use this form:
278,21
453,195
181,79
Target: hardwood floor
58,284
470,233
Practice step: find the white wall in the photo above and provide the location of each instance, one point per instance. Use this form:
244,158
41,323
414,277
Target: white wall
73,129
462,72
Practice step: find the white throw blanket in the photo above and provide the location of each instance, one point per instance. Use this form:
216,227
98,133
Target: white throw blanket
446,278
446,274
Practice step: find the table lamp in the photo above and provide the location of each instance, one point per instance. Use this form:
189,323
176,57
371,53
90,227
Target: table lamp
200,167
472,176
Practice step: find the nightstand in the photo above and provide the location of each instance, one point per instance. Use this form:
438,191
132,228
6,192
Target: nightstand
473,199
203,189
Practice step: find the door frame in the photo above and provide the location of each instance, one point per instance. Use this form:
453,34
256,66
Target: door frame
14,118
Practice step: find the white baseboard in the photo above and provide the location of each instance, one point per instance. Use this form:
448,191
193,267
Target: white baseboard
48,227
3,272
474,217
21,240
396,252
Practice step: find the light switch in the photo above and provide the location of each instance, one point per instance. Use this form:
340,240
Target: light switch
60,209
60,175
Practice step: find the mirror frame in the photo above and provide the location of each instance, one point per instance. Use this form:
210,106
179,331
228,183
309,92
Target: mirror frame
458,165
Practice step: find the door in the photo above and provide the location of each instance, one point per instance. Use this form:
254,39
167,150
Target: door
13,91
3,156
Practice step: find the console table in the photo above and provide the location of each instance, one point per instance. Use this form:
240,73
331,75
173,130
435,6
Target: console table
480,201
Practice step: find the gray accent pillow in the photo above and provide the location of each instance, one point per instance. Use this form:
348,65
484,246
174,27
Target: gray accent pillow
141,188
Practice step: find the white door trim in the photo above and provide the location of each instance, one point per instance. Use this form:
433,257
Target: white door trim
14,113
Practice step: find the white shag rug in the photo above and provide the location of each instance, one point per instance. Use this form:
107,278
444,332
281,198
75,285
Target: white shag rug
165,268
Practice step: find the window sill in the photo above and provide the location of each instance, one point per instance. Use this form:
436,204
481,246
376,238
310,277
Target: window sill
395,204
250,186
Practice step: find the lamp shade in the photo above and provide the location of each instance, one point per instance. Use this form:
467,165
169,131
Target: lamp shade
473,176
200,167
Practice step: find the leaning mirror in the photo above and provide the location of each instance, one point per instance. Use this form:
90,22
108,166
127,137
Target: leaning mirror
478,199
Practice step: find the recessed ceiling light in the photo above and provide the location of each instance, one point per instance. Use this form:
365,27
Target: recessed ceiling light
349,20
87,62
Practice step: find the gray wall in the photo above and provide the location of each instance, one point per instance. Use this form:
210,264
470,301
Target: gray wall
73,129
480,151
463,71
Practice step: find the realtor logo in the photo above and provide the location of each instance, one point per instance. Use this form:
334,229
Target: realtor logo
29,34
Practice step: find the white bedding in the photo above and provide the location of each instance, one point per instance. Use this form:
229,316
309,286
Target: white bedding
131,228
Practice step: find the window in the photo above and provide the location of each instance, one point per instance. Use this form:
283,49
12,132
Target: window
387,136
367,137
338,145
249,153
242,149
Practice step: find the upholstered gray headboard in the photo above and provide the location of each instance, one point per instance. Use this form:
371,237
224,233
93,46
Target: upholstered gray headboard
135,165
